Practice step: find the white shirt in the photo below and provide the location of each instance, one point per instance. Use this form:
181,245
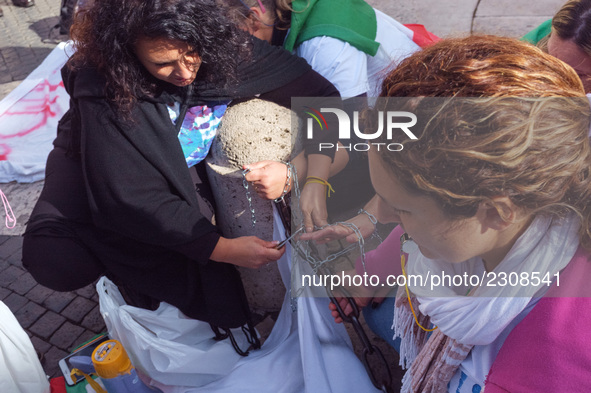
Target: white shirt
352,71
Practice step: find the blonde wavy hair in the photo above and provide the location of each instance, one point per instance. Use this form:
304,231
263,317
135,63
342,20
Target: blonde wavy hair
506,120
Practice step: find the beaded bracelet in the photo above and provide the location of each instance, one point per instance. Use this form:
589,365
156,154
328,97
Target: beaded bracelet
314,179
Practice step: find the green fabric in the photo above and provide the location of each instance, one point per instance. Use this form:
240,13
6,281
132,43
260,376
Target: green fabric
534,36
352,21
79,387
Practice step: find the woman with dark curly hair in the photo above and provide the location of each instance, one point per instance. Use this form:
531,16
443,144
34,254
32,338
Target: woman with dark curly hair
118,198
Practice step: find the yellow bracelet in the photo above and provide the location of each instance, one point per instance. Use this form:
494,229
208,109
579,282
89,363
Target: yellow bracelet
314,179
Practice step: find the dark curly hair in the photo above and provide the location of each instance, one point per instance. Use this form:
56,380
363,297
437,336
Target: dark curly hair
105,36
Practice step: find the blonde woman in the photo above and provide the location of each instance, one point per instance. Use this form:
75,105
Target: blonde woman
497,186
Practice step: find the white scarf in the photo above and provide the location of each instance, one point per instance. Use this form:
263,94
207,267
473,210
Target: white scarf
546,247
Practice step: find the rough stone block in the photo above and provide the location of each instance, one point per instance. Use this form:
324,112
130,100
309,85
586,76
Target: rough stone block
88,291
13,244
15,301
4,293
78,308
47,324
29,314
10,275
22,198
52,358
251,131
66,335
94,321
40,345
39,293
23,284
57,301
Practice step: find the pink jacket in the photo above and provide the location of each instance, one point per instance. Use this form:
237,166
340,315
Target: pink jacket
550,349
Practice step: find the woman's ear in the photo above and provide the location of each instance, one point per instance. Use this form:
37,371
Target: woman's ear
254,20
499,212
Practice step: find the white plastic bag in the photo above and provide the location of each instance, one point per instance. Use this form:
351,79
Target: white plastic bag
166,345
20,369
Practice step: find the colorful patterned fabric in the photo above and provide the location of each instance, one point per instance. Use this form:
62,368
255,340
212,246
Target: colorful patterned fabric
198,130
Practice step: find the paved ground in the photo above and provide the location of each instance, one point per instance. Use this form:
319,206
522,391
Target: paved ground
58,321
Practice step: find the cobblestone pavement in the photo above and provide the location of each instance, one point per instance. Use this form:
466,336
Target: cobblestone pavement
56,321
22,35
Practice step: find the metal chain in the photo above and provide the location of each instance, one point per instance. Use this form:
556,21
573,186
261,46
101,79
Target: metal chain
291,174
374,221
248,196
287,185
369,349
318,265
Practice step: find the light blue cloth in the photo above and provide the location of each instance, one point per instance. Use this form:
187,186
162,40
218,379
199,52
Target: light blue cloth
380,319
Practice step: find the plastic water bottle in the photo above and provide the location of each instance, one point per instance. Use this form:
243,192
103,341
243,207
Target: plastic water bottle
115,369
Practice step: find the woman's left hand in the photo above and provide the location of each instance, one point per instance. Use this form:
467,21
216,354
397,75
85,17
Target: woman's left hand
268,178
313,205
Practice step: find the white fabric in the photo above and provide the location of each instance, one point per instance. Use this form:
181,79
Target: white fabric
28,119
486,318
165,344
20,369
396,44
546,246
351,70
342,64
306,352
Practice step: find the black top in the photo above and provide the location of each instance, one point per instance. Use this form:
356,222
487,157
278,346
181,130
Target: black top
135,174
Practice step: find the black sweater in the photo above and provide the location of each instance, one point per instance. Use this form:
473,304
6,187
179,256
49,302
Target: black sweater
135,175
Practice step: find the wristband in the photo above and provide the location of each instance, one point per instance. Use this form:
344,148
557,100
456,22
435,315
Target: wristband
314,179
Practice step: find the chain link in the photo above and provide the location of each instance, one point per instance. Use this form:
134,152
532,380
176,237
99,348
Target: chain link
248,196
309,253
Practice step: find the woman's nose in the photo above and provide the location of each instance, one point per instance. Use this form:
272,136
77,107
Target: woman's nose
182,71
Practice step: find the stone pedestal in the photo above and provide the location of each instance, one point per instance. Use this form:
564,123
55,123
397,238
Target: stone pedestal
251,131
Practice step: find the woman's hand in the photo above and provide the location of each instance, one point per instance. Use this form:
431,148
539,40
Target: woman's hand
246,251
268,178
313,206
345,306
362,221
360,294
313,195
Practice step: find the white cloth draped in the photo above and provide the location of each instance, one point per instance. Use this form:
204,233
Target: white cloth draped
28,119
306,352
